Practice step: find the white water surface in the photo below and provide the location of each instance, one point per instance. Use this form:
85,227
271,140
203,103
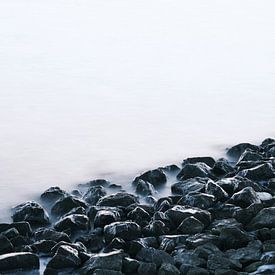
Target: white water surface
109,88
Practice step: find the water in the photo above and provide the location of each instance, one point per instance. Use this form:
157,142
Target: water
110,88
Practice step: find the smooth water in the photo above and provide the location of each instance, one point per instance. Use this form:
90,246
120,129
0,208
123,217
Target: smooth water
101,88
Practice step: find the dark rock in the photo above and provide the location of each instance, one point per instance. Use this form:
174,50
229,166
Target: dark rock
106,272
216,262
267,142
200,200
197,271
217,191
199,169
242,182
53,194
10,233
245,197
80,247
136,245
223,211
31,212
168,269
188,259
207,160
105,217
116,243
170,168
65,257
156,256
118,199
66,204
190,185
156,228
228,184
111,261
202,238
50,234
44,246
77,210
114,186
130,266
245,215
140,216
73,223
5,245
144,188
222,167
22,227
264,218
236,151
19,241
94,194
126,230
249,155
97,182
147,269
18,261
203,251
155,177
219,224
190,225
76,193
94,242
261,172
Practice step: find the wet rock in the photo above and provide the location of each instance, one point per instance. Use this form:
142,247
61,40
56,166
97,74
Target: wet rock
19,241
190,225
228,184
44,246
5,245
94,194
188,259
216,262
222,167
207,160
53,194
170,168
10,233
249,155
144,188
97,182
203,251
147,269
94,242
22,227
140,216
130,266
50,234
264,218
18,261
225,211
136,245
126,230
261,172
77,210
168,269
111,261
116,243
155,228
118,199
194,170
200,200
197,270
236,151
178,213
65,257
72,223
66,204
201,239
155,177
80,247
156,256
31,212
106,272
190,185
219,224
245,215
169,242
105,217
215,190
245,197
242,182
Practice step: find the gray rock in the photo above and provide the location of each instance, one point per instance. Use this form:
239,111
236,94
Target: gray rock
168,269
207,160
5,245
147,269
31,212
50,234
73,223
22,227
199,169
155,177
236,151
105,217
130,266
44,246
187,258
217,191
140,216
144,188
96,182
261,172
190,225
249,155
200,200
216,262
94,194
245,215
184,187
264,218
53,194
155,228
245,197
119,199
222,167
199,239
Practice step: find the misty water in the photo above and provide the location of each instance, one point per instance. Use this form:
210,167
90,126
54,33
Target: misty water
111,88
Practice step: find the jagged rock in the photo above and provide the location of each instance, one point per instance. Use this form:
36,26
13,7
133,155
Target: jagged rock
261,172
190,225
217,191
77,210
249,155
236,151
155,228
31,212
18,261
203,251
223,211
106,272
264,218
170,168
73,223
23,227
200,200
79,246
136,245
50,234
267,142
207,160
94,241
105,217
245,197
184,187
140,216
94,194
66,204
245,215
144,188
199,169
222,167
118,199
155,177
53,194
126,230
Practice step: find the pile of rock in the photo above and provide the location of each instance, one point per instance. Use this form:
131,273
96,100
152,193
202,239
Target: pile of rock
219,219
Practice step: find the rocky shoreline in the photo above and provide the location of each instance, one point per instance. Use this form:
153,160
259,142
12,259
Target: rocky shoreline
219,219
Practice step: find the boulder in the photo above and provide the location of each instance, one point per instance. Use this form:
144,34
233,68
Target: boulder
140,216
245,215
264,218
155,177
96,182
168,269
53,194
245,197
184,187
122,199
216,262
222,167
261,172
144,188
44,246
236,151
147,269
187,258
50,234
31,212
155,228
200,200
199,169
5,245
216,190
105,217
207,160
190,225
23,228
249,155
199,239
129,266
94,194
72,223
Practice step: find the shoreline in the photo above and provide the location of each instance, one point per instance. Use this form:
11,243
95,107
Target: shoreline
219,218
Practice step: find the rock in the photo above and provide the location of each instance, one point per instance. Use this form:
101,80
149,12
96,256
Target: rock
187,258
242,182
199,169
10,233
53,194
23,228
144,188
73,223
168,269
118,199
245,215
264,218
261,172
94,194
155,228
79,246
201,239
111,261
223,211
126,230
44,246
184,187
105,217
245,197
200,200
136,245
156,256
216,262
203,251
31,212
18,261
228,184
19,241
116,243
267,142
77,210
97,182
130,266
249,155
50,234
236,151
147,269
219,224
197,270
5,245
65,257
66,204
207,160
106,272
94,242
190,225
215,190
178,213
155,177
170,168
222,167
140,216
